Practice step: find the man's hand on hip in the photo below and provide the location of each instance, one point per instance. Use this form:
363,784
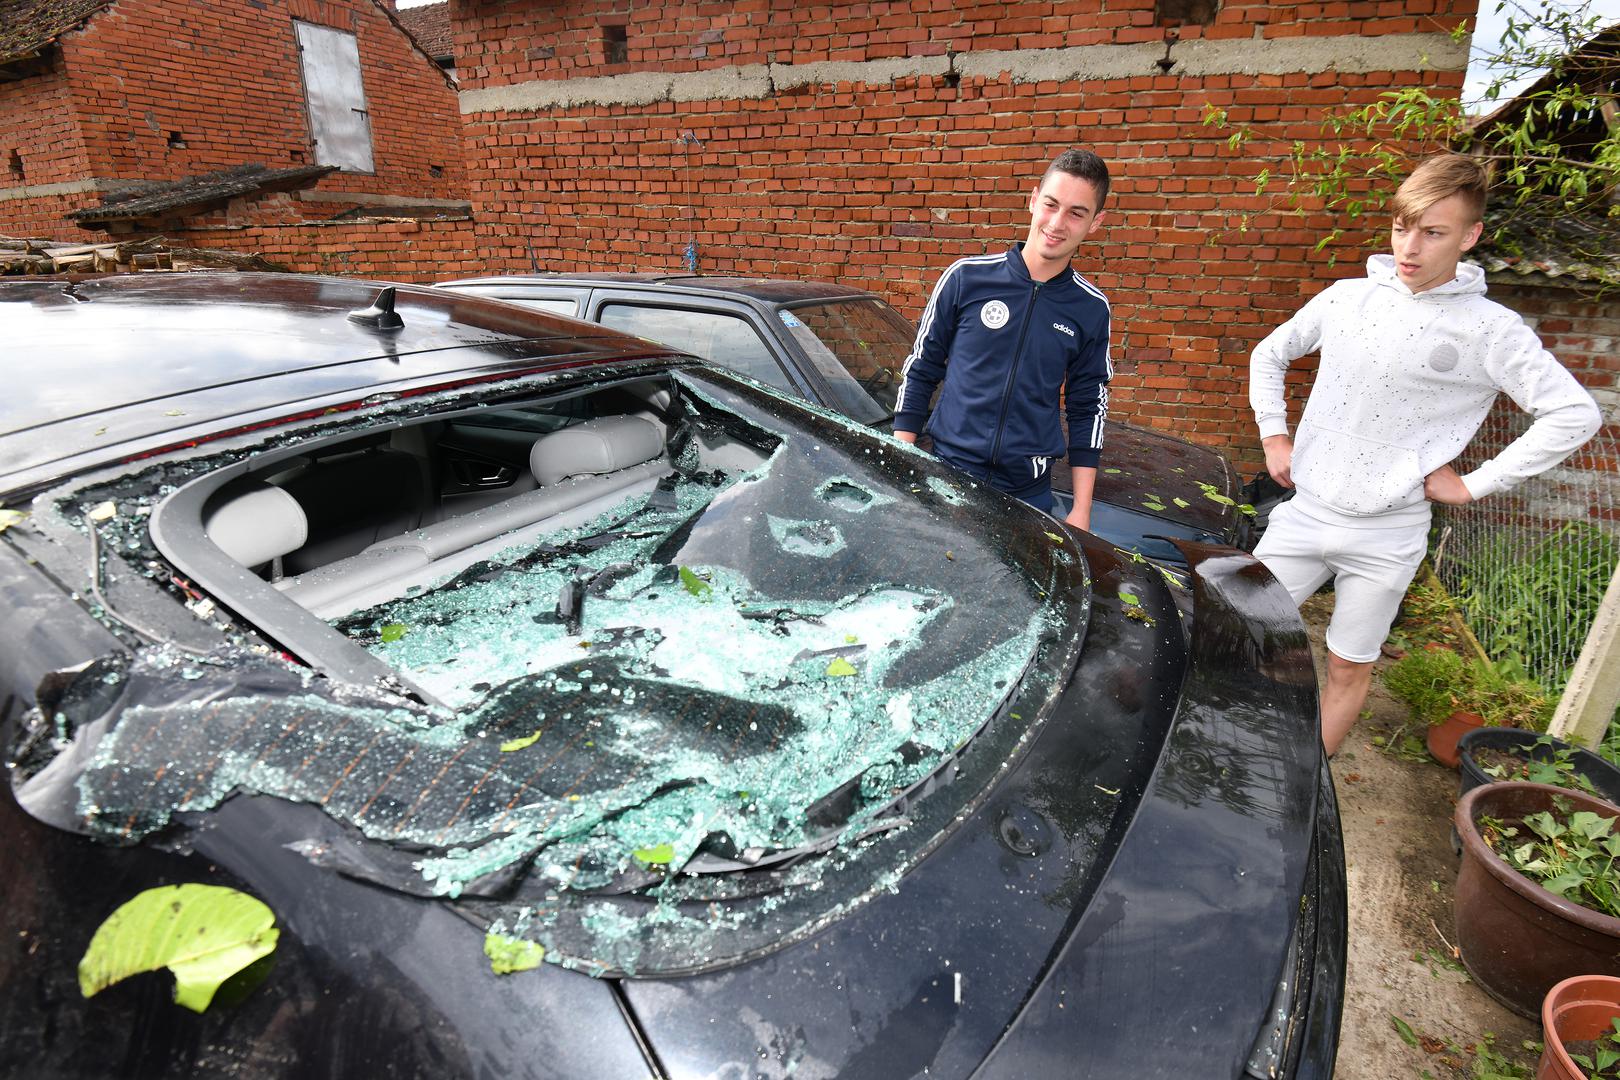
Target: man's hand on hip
1445,486
1280,458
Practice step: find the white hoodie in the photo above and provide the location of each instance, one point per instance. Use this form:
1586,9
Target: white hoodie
1404,382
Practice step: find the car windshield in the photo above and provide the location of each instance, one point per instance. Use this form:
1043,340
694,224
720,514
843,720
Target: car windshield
859,347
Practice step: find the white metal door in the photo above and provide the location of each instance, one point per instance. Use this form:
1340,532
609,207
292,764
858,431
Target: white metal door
336,96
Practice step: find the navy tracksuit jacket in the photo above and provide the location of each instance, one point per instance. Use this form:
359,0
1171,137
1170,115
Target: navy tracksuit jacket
1003,345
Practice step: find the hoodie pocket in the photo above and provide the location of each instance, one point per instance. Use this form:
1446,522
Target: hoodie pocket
1355,474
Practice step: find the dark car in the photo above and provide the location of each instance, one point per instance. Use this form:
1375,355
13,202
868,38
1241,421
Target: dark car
844,348
464,637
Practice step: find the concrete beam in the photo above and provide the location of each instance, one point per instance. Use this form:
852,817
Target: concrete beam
67,187
1191,59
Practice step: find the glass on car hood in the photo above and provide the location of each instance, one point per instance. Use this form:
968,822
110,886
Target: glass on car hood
748,674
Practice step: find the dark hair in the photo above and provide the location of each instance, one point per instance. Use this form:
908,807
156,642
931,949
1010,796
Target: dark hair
1084,164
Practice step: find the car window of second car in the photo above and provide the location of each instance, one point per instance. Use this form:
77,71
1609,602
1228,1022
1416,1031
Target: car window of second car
859,347
724,340
556,304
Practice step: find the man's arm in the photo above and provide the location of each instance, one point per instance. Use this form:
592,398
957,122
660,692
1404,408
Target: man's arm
1268,367
925,367
1085,482
1566,416
1085,399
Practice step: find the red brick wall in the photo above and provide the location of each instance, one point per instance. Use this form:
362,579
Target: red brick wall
397,250
37,123
883,183
224,76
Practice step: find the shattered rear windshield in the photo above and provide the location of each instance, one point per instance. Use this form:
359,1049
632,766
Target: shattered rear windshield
747,672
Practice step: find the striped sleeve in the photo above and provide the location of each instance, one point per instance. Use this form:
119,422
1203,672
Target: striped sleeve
1086,388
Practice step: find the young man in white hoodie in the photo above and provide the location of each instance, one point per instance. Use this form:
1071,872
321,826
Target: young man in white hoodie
1412,357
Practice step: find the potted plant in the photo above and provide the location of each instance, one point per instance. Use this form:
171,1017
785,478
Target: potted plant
1493,754
1454,695
1580,1030
1538,895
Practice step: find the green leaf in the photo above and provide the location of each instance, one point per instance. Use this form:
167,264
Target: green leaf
204,934
1404,1030
1112,472
509,954
1129,598
518,744
394,631
840,666
8,518
694,584
661,855
1183,503
1561,884
1054,537
1215,496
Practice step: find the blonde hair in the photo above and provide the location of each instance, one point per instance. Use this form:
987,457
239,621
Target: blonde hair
1437,177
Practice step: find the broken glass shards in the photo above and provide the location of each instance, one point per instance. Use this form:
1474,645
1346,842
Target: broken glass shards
686,700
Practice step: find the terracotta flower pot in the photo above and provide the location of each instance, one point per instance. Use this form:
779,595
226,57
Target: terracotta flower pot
1516,938
1444,736
1576,1010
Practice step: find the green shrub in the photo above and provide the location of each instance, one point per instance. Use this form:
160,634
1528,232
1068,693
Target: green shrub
1436,682
1427,679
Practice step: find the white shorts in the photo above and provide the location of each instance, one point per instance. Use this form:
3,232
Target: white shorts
1370,568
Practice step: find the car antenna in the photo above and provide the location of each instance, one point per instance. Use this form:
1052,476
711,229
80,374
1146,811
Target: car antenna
380,315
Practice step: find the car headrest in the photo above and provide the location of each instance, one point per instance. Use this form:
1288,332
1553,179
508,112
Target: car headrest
604,445
254,522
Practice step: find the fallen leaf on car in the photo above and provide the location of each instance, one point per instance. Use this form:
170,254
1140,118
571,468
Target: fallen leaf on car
694,584
508,954
659,855
203,934
518,744
840,666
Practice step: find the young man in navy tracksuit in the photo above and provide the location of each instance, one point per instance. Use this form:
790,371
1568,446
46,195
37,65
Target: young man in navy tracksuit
1003,335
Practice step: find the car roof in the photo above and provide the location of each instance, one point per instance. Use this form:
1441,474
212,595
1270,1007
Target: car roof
125,362
764,290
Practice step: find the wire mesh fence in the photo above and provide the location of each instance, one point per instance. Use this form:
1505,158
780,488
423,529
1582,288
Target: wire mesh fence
1528,567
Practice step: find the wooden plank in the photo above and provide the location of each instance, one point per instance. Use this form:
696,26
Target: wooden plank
1593,691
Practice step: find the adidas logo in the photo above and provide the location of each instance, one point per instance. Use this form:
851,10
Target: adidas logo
1062,329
